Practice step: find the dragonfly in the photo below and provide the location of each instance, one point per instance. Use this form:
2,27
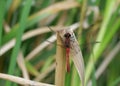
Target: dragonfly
72,48
67,46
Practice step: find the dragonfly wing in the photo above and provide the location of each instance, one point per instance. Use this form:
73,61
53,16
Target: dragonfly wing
78,60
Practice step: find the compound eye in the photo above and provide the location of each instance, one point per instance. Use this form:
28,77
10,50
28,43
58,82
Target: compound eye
69,35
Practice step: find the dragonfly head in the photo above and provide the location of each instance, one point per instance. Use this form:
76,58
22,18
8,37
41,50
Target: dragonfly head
67,35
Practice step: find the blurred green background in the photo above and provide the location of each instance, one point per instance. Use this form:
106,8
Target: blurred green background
27,21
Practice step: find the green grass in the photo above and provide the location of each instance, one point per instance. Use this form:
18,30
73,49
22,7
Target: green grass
2,9
21,28
102,37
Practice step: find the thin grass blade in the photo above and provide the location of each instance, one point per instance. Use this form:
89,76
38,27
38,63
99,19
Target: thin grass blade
2,9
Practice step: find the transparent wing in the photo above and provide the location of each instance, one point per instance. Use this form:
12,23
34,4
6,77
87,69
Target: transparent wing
78,59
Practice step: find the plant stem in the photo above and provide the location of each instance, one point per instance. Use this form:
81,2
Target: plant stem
60,63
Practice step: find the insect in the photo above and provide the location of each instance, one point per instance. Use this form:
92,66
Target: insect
67,46
72,48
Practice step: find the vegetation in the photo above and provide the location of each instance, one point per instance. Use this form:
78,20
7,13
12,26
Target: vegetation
28,48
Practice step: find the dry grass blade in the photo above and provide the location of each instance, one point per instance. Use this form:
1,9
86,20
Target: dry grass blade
57,7
40,47
60,63
22,81
27,35
76,53
21,64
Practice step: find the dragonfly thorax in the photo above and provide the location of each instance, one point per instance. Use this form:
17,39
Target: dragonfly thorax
67,40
